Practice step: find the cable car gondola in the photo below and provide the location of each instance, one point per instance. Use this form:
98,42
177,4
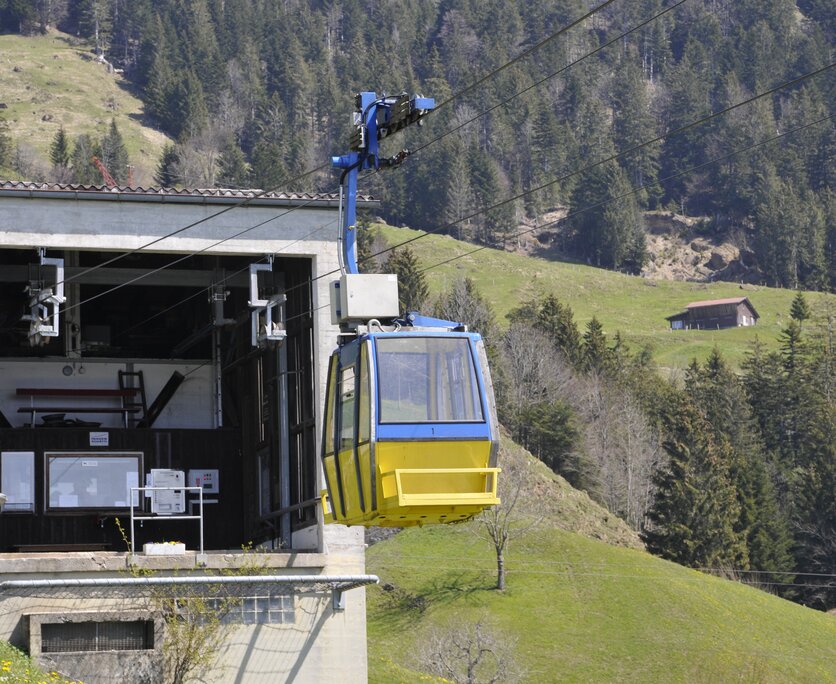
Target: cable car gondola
410,431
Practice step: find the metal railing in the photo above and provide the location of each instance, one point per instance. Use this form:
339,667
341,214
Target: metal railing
166,517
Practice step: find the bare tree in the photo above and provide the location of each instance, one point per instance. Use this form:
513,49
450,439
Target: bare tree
470,654
463,119
197,160
502,523
28,163
194,617
50,12
620,444
537,372
462,302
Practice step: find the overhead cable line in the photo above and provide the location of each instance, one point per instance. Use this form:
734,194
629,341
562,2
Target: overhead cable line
524,54
244,202
576,172
183,258
546,78
456,96
605,565
613,157
640,145
554,35
284,183
584,169
638,189
572,573
633,191
223,280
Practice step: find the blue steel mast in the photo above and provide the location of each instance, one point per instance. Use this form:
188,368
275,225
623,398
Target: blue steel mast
375,117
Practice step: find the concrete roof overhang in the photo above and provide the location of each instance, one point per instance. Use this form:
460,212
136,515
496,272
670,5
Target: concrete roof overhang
217,221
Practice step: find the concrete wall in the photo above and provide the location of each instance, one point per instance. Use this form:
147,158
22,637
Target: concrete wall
318,645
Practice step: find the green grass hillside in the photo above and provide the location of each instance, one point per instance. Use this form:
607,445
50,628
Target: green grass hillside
583,609
635,306
53,80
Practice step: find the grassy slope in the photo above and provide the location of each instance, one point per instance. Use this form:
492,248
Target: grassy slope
60,79
635,306
585,610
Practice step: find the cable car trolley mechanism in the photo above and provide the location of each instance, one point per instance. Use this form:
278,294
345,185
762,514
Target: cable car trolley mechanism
410,431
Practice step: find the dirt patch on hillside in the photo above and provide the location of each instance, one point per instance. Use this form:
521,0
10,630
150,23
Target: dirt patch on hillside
679,248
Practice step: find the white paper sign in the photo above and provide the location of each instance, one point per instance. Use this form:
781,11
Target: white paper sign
100,439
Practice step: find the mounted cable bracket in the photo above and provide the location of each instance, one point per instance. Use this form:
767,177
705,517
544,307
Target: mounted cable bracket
396,159
218,297
375,117
267,313
44,301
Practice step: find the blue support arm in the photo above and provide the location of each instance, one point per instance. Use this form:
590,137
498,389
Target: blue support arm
375,117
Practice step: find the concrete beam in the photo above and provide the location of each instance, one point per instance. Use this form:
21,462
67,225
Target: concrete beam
168,277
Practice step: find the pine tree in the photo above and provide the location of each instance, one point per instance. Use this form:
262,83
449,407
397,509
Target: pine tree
605,219
799,309
551,435
595,355
203,56
188,107
777,213
96,22
233,170
791,394
82,169
692,520
268,169
719,395
633,124
59,156
689,92
828,200
492,225
59,150
557,320
412,284
114,154
366,238
460,201
815,518
811,235
18,16
549,149
166,176
462,303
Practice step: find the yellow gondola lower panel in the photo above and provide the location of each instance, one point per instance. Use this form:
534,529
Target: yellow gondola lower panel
415,483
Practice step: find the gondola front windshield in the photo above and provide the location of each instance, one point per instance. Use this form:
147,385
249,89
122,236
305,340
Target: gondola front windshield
427,380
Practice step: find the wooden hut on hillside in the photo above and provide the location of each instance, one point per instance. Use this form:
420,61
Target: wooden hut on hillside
713,314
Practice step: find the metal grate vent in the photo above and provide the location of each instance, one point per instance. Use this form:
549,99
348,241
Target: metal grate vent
97,636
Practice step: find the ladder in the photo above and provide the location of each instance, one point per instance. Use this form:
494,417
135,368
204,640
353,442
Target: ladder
133,380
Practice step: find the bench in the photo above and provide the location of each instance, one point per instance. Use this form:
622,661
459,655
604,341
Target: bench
61,548
33,410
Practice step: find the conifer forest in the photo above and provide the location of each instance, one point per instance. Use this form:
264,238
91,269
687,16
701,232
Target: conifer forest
718,109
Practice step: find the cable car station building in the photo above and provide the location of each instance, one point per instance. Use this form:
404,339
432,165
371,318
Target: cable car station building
164,338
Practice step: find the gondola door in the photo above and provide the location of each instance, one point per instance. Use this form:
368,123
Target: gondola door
347,440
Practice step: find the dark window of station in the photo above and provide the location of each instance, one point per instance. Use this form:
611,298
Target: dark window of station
70,637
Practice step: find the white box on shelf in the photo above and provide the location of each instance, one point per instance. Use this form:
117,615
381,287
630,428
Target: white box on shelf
164,549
